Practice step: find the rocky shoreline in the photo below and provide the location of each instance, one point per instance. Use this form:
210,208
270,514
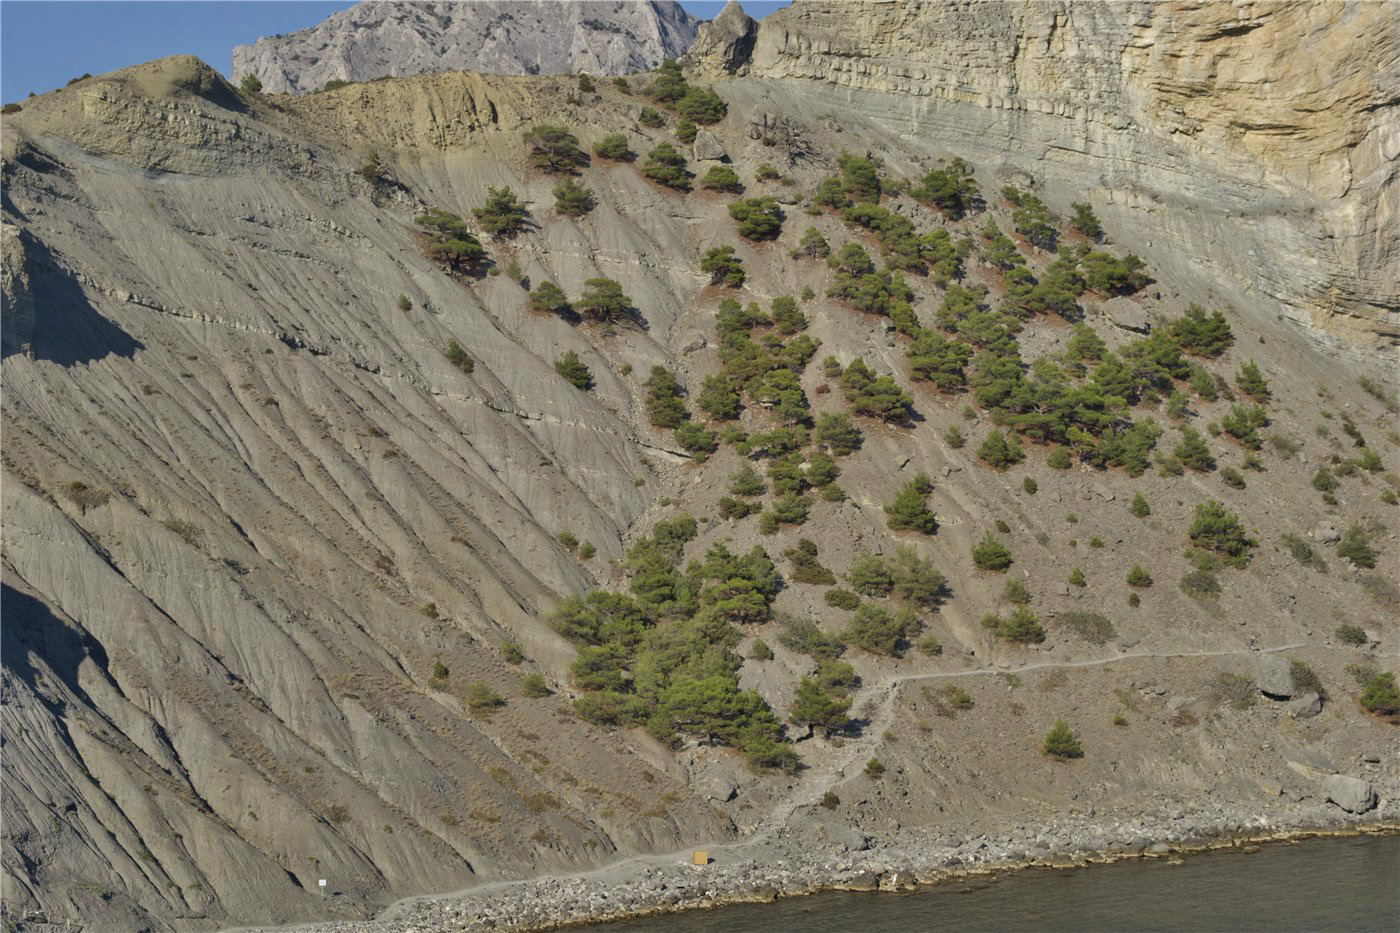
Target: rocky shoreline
759,872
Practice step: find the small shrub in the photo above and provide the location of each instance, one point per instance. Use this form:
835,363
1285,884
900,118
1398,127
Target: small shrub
481,698
1356,547
1138,577
651,117
1076,577
759,651
829,800
1381,695
954,437
1058,459
1349,634
535,686
841,599
1015,592
189,531
1200,584
930,646
1060,742
1093,627
1021,626
613,147
874,769
574,371
1030,486
86,497
1305,680
721,178
511,652
1303,552
1218,530
991,554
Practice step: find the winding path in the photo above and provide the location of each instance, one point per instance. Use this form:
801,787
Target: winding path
877,708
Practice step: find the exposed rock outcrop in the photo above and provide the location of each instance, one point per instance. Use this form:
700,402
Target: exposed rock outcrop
1256,141
375,40
724,44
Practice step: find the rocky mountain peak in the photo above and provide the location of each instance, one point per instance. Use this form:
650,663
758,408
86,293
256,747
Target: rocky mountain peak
375,40
724,44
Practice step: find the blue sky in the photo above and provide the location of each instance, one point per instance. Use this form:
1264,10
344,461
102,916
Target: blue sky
43,43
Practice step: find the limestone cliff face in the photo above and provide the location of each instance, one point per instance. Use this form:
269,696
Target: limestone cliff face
1258,142
375,40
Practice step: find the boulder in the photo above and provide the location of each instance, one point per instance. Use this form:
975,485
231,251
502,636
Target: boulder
1324,533
1305,706
1353,795
864,881
708,148
1126,314
719,788
1272,675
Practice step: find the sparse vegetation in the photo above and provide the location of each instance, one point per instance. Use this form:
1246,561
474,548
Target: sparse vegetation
458,357
1093,627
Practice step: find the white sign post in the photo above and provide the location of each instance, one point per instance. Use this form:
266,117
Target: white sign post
322,884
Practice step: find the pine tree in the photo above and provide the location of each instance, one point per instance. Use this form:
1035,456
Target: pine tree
548,297
572,368
553,148
613,147
909,510
1252,382
503,214
868,575
1061,742
991,554
1139,507
603,300
1138,577
666,166
664,406
572,199
818,708
1193,451
998,452
724,267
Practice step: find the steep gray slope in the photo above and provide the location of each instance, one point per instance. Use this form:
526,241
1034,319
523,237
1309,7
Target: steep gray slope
378,39
249,506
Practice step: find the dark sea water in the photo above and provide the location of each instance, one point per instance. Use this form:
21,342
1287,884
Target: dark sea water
1333,885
